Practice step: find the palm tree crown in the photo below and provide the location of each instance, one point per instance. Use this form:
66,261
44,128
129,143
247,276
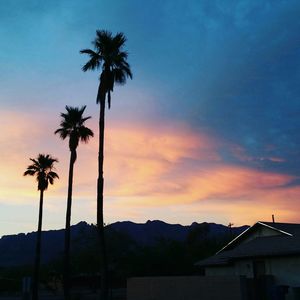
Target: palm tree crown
72,126
42,168
110,57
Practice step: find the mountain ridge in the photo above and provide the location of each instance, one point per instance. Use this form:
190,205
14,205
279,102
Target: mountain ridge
18,249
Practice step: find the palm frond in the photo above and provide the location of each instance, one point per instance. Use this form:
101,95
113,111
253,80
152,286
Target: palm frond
33,168
85,134
94,61
51,180
103,40
29,172
35,161
119,40
89,52
53,174
83,120
63,133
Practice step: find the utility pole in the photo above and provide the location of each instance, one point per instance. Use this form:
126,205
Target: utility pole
230,229
273,219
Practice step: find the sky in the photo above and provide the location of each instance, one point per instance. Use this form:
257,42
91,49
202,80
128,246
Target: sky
208,129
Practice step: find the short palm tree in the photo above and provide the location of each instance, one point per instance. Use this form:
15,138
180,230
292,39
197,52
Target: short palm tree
72,127
42,168
110,58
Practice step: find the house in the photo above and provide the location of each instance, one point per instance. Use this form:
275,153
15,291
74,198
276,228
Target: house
262,263
268,254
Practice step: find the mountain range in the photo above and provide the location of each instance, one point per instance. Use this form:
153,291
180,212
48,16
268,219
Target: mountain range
19,249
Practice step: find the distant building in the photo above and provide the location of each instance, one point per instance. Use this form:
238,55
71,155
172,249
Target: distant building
267,254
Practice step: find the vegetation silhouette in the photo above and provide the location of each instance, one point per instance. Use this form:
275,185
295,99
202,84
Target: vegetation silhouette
128,256
72,127
111,59
42,167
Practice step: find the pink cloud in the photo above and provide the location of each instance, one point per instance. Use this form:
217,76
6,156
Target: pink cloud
166,171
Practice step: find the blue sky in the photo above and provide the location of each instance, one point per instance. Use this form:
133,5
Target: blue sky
215,97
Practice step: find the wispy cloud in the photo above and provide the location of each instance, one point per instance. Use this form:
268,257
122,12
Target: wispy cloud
209,127
148,166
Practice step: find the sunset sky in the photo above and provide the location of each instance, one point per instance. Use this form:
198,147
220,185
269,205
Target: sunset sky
207,130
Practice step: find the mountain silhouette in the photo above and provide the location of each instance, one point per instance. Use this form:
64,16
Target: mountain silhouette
18,249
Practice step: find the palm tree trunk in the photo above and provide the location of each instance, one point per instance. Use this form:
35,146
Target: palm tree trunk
68,230
100,223
38,250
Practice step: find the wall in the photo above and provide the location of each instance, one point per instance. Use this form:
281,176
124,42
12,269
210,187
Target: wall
187,288
286,270
220,271
239,268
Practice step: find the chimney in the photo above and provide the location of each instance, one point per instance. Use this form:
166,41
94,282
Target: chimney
273,219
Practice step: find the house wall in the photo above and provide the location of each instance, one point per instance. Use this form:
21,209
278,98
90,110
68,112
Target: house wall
240,268
245,268
188,287
286,270
220,271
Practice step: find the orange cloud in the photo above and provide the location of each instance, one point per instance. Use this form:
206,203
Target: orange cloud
163,171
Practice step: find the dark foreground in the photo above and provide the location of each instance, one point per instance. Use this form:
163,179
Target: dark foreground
115,294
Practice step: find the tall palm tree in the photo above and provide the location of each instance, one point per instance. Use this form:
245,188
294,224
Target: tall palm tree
72,127
42,168
110,58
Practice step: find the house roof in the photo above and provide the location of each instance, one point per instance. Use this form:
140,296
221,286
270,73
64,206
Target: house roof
287,242
291,228
281,228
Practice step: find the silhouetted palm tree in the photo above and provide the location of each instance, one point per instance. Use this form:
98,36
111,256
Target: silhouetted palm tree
42,169
110,58
72,127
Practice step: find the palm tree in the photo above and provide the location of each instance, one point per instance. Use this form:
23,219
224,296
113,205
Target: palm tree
42,167
72,127
110,58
